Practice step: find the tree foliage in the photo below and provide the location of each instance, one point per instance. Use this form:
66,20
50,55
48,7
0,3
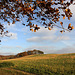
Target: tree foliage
46,12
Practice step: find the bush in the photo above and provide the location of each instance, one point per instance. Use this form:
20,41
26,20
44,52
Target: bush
6,64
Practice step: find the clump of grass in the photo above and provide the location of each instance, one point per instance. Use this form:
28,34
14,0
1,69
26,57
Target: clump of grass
6,64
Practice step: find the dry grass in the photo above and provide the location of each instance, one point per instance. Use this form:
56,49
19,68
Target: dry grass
35,57
45,64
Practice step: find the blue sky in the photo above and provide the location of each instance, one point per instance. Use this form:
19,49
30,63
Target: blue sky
53,41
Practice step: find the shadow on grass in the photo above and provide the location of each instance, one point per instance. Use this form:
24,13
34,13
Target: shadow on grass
6,64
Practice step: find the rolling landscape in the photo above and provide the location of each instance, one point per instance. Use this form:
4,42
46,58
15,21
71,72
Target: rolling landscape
39,64
37,37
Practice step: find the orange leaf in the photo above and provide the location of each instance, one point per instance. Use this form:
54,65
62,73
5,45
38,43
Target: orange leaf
61,23
34,30
63,17
66,9
72,27
49,28
61,31
13,22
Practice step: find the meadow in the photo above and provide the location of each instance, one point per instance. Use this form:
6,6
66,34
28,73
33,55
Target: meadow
43,64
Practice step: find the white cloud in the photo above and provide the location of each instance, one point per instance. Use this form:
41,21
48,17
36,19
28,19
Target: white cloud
63,38
7,47
10,26
18,47
45,32
67,43
68,49
9,50
34,39
12,35
44,35
72,7
9,53
40,39
11,47
14,27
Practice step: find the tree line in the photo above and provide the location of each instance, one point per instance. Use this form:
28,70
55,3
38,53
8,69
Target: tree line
30,52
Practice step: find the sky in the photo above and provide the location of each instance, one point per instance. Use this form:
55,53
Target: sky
53,41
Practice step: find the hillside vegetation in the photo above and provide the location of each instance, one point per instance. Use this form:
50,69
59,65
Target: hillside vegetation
44,64
22,54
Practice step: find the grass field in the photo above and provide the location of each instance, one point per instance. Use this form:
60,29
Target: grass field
45,64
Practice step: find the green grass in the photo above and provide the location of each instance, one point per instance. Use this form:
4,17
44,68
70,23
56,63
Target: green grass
45,64
6,64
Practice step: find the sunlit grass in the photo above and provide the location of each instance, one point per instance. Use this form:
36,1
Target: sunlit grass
45,64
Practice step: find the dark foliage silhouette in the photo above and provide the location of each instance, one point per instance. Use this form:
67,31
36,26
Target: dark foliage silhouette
46,12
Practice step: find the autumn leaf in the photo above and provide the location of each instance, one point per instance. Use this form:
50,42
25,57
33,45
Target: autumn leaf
63,17
72,27
34,30
66,9
69,24
13,22
31,30
61,23
49,28
61,31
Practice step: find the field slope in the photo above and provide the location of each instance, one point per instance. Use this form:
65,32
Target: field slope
45,64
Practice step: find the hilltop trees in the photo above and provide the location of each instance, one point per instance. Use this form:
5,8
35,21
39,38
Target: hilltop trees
46,12
21,54
29,52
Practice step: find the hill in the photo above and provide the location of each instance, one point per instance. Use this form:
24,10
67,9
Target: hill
29,52
44,64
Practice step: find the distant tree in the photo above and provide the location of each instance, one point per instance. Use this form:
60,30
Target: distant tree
46,12
21,54
29,52
25,54
41,52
